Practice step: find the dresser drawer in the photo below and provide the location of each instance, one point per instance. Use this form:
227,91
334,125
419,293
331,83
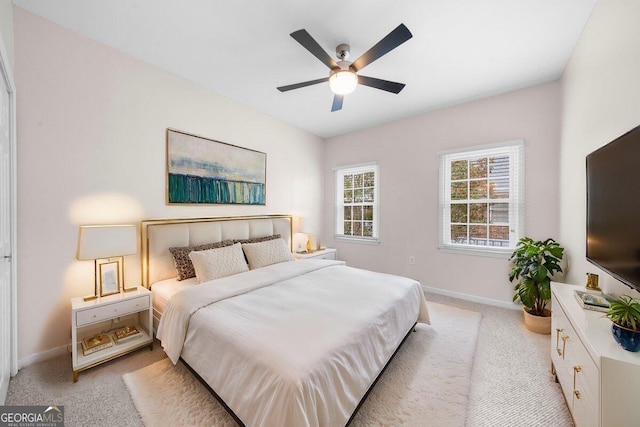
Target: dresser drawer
109,311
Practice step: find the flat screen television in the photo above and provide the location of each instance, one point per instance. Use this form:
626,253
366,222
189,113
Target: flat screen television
613,208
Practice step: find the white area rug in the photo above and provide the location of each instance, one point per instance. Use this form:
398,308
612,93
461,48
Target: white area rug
427,383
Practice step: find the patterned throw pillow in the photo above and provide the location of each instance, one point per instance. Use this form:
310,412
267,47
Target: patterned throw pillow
216,263
184,266
258,239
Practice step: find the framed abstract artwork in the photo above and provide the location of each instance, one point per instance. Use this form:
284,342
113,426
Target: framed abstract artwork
205,171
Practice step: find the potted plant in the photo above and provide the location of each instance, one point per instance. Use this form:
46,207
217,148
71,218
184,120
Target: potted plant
624,312
533,264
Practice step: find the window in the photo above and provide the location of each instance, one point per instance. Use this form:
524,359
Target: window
357,202
482,198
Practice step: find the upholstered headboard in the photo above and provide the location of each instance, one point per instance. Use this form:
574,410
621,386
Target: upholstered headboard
158,235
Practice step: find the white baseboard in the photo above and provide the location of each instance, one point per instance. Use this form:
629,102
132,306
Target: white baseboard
472,298
41,357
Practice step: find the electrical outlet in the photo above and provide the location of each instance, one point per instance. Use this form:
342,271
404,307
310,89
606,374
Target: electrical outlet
412,260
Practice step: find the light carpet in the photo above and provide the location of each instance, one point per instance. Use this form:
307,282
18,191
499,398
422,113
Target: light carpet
427,383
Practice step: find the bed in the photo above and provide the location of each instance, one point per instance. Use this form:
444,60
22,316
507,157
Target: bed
291,343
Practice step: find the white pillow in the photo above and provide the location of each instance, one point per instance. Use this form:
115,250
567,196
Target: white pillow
220,262
266,253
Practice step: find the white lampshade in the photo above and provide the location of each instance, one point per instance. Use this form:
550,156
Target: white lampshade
105,241
343,82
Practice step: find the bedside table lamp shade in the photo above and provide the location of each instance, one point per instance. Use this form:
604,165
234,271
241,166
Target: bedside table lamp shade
106,241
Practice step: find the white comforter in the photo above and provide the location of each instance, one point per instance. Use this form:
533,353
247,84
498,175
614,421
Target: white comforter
292,344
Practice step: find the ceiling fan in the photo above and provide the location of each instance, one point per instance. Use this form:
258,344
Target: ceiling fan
343,77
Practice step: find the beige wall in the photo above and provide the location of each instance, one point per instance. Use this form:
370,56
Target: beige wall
6,28
407,153
601,101
91,149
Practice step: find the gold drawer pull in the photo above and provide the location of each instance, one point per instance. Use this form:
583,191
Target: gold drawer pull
576,369
558,330
564,345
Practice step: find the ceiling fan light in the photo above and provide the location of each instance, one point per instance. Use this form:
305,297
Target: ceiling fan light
343,82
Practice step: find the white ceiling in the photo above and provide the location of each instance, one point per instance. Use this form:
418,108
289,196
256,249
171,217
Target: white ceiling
461,49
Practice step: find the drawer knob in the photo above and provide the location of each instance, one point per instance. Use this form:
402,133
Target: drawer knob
577,393
577,368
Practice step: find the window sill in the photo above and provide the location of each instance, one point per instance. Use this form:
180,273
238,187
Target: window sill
504,253
362,241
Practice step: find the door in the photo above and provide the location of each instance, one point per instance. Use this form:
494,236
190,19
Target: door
7,288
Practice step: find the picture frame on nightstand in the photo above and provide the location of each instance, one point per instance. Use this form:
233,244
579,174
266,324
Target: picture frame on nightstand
109,276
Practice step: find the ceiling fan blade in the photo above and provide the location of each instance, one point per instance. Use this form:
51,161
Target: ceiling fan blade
387,85
305,39
391,41
302,84
337,103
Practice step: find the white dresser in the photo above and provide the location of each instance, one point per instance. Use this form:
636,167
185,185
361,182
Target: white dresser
600,380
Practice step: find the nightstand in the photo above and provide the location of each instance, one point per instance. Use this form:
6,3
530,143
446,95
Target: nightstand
105,315
326,253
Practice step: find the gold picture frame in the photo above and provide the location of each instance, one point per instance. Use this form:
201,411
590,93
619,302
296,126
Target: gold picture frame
109,276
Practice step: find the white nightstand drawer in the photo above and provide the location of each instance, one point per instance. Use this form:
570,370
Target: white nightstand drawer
108,311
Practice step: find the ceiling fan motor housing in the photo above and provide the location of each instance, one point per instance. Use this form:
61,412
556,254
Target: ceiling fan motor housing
342,51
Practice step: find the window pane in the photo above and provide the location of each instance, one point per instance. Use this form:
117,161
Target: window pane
357,213
459,170
459,234
358,195
478,231
459,212
459,190
347,228
478,189
499,166
368,213
498,213
478,213
368,229
500,232
368,194
357,228
348,196
348,181
347,213
357,180
369,179
478,168
499,188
